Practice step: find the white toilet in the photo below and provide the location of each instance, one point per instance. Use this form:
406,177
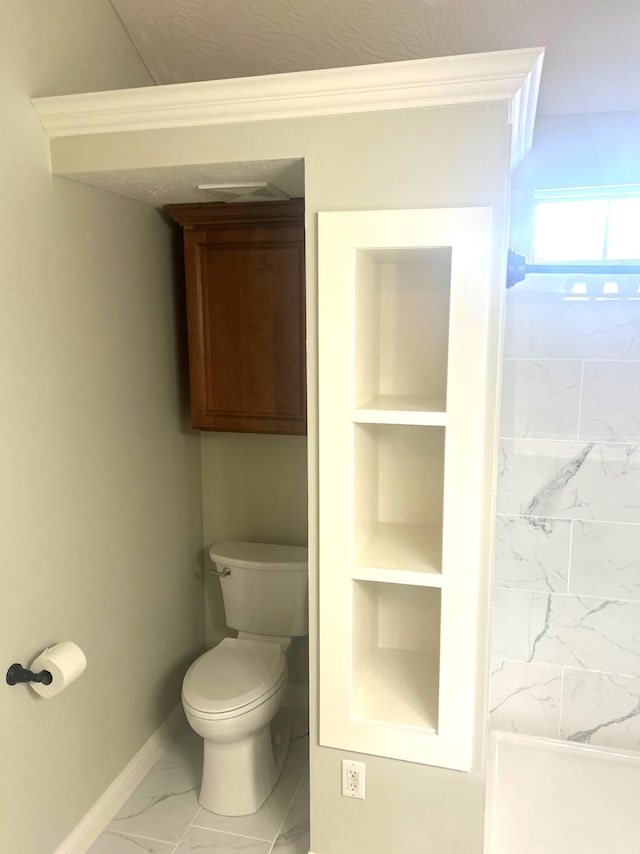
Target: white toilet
232,692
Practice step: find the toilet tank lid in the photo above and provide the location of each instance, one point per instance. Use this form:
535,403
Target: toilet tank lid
265,556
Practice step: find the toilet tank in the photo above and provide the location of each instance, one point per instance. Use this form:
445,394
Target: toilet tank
265,590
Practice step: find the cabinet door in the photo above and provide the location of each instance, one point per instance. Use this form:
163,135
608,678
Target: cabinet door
246,319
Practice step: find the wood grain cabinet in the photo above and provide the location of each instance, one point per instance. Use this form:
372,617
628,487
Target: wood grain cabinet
244,275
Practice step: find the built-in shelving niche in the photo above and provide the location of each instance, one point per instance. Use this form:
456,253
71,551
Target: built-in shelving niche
396,654
403,301
402,330
398,494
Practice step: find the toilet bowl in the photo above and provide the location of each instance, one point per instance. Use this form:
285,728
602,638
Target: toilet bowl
230,697
232,693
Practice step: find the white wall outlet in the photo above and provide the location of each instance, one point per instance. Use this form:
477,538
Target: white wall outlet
353,779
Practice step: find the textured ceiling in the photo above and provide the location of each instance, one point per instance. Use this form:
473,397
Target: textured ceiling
593,46
179,184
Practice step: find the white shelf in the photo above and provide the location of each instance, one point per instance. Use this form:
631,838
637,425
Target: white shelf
407,550
400,409
397,576
398,687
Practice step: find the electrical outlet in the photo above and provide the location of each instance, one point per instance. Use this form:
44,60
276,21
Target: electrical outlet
353,779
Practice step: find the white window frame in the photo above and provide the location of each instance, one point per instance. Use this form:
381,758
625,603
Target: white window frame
607,193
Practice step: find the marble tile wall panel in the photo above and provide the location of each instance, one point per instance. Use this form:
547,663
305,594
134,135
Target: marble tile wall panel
571,631
540,398
570,480
602,709
611,400
545,326
568,530
605,560
525,698
532,553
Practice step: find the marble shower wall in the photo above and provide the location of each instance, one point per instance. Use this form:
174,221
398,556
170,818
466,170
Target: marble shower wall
566,605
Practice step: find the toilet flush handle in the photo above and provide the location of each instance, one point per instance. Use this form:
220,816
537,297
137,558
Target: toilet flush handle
220,572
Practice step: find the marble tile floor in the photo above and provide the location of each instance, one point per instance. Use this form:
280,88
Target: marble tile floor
163,815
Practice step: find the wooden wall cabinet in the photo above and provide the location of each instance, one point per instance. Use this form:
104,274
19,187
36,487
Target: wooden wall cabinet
245,283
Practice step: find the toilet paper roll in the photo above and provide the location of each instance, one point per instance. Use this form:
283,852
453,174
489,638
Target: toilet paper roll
65,662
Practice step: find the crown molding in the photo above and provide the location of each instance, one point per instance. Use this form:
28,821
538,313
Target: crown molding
505,75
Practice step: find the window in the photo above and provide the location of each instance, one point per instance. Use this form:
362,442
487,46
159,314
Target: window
592,224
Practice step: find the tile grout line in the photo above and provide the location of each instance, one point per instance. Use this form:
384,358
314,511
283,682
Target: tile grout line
571,529
545,592
288,810
565,519
228,832
125,833
179,842
564,359
561,703
580,399
572,440
563,667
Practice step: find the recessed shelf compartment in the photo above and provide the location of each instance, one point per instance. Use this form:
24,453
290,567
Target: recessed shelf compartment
398,496
398,553
396,655
402,298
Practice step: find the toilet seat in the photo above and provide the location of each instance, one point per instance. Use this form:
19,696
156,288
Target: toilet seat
234,677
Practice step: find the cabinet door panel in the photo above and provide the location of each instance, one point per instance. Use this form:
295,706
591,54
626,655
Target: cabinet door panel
251,311
245,281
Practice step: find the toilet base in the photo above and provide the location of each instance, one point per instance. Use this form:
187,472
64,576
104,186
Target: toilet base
238,777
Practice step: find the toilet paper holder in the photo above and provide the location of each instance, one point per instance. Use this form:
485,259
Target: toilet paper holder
17,674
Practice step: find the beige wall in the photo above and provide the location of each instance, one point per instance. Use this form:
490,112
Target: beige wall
253,488
417,158
100,479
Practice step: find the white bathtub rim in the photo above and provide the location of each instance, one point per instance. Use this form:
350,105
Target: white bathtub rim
500,739
497,737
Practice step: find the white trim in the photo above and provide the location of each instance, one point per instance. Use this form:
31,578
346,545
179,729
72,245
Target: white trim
523,110
105,808
511,75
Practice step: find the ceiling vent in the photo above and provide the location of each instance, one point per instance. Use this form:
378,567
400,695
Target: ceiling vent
244,192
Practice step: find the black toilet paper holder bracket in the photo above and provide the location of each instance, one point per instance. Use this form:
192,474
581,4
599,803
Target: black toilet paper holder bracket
17,674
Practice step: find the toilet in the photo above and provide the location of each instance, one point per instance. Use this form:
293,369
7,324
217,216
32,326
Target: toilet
231,693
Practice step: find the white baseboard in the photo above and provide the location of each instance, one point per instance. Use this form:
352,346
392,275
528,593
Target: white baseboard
105,808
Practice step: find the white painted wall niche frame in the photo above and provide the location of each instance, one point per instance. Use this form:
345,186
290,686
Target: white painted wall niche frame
390,683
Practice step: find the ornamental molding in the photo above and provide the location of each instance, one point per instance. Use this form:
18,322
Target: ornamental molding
512,76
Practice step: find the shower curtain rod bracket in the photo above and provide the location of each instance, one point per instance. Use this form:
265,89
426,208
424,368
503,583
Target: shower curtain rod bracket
517,268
